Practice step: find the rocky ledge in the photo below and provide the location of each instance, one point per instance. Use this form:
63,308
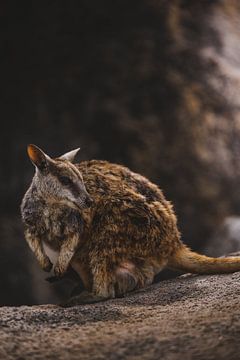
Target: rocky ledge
190,317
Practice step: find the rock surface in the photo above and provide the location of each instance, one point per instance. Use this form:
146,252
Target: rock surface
227,238
190,317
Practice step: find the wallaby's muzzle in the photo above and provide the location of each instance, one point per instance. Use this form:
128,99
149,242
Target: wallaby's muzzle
84,202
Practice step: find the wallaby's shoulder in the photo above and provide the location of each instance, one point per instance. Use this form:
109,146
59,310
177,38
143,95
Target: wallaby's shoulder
31,203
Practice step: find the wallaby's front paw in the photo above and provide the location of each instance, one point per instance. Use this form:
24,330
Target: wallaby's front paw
47,265
59,270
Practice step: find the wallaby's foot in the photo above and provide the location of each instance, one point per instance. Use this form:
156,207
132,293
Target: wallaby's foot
84,298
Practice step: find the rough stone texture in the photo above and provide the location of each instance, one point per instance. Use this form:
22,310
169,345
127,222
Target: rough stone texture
190,317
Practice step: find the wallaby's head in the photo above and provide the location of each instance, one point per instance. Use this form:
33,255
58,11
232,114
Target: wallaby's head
59,180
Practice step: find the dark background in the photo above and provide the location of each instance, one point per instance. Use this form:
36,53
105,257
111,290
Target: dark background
150,84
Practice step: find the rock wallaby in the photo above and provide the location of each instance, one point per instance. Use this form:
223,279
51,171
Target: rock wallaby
111,225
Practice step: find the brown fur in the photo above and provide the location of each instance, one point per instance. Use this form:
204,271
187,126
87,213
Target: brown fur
123,239
186,260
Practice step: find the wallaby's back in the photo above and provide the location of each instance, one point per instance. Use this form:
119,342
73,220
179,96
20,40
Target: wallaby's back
106,180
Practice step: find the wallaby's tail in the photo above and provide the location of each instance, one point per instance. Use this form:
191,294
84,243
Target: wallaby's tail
186,260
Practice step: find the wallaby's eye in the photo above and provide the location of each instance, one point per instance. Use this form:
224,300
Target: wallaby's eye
65,180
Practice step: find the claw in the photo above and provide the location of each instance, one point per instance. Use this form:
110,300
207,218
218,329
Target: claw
58,272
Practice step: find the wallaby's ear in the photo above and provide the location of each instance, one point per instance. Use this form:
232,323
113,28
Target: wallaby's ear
38,157
70,156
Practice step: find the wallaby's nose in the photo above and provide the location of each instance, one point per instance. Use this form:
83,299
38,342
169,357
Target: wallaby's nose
88,201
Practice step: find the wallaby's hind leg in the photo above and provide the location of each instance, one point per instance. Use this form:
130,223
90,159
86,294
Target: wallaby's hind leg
133,275
103,280
114,281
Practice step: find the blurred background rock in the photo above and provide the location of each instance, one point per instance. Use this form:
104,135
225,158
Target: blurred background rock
150,84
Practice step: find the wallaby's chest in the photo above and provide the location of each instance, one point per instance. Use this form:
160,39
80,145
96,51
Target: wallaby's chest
53,235
51,223
54,223
60,223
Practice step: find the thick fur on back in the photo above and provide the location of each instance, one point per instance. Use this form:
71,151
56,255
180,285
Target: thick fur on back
130,216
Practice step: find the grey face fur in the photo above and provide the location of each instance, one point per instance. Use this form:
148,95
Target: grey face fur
58,180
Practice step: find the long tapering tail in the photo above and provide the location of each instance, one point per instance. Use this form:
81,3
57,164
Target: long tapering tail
186,260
